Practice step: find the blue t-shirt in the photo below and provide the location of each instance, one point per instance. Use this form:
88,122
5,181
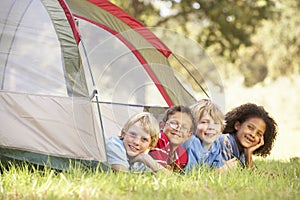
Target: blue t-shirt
230,148
198,155
116,155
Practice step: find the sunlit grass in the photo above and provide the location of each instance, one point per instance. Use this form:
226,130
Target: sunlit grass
272,180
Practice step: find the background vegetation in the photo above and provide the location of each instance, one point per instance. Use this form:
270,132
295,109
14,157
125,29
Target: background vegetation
258,38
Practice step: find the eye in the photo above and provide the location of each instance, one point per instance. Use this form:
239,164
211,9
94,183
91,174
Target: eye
132,134
203,122
250,127
259,134
184,128
173,123
145,139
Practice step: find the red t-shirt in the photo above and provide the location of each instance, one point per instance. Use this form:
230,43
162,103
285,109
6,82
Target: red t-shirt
161,154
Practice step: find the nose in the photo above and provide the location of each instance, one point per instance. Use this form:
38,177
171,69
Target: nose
136,140
178,128
252,134
212,126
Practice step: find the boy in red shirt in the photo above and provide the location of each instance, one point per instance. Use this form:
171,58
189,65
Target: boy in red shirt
176,127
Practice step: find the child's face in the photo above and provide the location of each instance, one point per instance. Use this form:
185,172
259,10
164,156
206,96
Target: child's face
178,128
208,130
136,140
250,132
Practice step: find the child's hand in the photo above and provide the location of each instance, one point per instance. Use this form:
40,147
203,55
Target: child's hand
253,148
147,151
229,164
140,157
150,162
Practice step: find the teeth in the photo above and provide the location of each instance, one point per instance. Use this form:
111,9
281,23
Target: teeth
248,139
210,134
175,135
132,148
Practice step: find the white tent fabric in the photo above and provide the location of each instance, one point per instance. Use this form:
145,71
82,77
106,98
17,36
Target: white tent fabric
67,131
117,72
65,88
44,103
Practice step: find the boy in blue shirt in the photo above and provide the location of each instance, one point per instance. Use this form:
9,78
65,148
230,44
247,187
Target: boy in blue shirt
203,147
129,152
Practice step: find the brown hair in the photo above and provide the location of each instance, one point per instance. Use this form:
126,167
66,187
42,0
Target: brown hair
182,109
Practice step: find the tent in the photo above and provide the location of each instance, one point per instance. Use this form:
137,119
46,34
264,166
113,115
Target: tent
71,73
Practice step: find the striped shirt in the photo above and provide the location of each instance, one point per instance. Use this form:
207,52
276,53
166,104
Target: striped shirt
230,148
161,153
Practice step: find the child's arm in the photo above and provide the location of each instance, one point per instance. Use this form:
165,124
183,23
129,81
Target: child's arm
150,162
229,165
249,152
116,155
119,168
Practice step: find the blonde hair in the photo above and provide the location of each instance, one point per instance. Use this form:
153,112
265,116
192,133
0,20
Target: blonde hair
211,108
149,123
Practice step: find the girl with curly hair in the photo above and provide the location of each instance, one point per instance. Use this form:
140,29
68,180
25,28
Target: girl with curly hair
249,131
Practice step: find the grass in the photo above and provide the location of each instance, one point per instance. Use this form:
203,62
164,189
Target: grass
272,180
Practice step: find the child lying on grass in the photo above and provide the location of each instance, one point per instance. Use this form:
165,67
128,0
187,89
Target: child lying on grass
249,131
176,127
129,152
203,148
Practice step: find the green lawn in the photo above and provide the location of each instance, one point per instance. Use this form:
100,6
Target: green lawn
272,180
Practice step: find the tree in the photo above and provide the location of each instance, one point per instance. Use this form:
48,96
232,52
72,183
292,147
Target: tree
276,46
224,25
259,38
279,40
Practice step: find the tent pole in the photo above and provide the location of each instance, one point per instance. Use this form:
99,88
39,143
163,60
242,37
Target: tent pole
190,74
95,94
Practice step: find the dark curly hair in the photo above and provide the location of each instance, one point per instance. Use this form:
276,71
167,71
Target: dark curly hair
250,110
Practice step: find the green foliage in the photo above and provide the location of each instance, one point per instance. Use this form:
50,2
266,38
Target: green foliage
276,46
260,39
224,25
279,40
275,180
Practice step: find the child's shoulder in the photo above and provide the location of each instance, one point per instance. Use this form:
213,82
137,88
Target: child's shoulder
227,140
114,141
192,142
225,136
163,138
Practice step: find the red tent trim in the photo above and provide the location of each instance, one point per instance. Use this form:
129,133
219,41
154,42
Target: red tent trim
70,20
134,24
137,55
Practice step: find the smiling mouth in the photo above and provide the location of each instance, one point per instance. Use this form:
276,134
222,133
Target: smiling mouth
248,139
132,148
210,134
176,135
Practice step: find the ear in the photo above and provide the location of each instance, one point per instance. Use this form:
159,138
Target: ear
189,135
161,125
122,133
237,125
